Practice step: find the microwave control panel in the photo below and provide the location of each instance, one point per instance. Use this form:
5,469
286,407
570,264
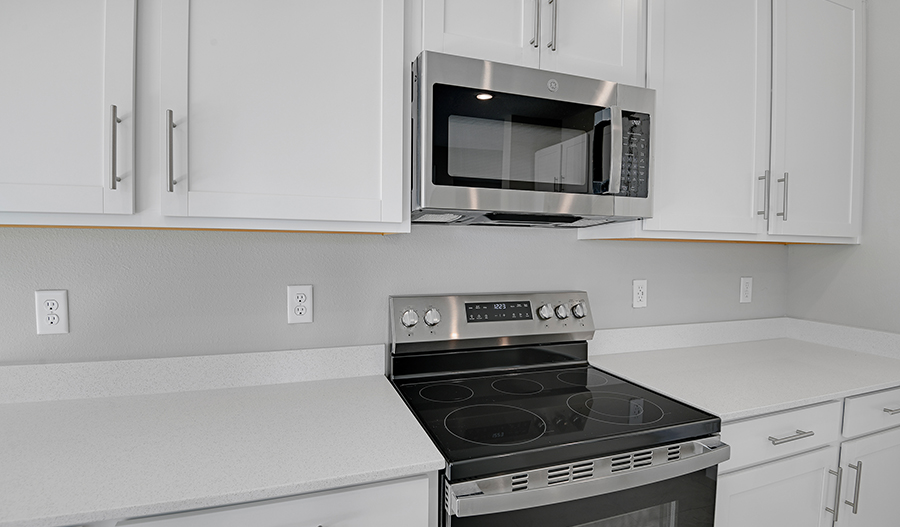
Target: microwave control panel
635,154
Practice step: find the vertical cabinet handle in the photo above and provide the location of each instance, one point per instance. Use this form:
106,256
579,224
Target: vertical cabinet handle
765,212
552,43
784,180
170,168
113,147
837,493
855,504
535,36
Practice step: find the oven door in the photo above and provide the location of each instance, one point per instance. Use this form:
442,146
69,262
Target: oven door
677,494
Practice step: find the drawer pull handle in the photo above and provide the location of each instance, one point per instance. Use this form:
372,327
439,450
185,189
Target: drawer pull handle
855,503
799,435
892,411
837,493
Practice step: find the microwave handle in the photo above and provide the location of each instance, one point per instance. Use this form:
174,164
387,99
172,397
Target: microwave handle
613,115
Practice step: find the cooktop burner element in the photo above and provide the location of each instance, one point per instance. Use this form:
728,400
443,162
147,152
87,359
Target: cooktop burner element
615,408
446,393
589,378
495,424
499,394
517,386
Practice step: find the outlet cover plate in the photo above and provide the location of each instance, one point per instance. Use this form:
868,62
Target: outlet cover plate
300,304
51,310
639,293
746,289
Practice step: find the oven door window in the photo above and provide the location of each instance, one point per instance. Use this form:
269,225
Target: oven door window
498,140
685,501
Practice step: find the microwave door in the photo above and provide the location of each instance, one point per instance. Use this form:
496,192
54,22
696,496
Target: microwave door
608,151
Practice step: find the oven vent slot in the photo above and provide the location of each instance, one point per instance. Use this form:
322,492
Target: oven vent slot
583,470
558,475
519,482
673,453
631,461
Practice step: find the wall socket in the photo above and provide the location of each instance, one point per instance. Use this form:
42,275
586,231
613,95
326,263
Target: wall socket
746,289
51,310
300,304
639,293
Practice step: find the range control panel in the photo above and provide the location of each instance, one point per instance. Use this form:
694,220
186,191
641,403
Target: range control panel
500,316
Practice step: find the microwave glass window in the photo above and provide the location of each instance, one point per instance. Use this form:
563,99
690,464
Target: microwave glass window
512,141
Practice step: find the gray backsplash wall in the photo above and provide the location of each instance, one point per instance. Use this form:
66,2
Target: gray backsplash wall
155,293
860,285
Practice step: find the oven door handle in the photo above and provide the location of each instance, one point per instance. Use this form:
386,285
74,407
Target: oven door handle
701,454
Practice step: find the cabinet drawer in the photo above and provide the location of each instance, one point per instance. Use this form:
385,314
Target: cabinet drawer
870,412
400,503
776,435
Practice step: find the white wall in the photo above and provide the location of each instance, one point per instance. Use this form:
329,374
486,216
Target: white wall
145,293
860,285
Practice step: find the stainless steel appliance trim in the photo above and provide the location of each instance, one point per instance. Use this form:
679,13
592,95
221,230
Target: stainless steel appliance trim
535,36
615,168
768,179
799,435
493,495
170,169
553,26
837,493
113,147
453,332
783,213
855,503
892,411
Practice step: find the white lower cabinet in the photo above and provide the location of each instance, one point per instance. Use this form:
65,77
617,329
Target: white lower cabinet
399,503
794,491
871,469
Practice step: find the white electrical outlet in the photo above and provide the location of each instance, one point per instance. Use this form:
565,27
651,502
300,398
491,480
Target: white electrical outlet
639,293
746,289
300,304
51,310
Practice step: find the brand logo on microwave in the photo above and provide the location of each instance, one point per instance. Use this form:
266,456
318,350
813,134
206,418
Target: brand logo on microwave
552,85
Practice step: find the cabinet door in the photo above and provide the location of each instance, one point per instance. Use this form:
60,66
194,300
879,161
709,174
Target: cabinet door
601,39
283,109
64,66
709,62
818,111
794,491
497,30
871,467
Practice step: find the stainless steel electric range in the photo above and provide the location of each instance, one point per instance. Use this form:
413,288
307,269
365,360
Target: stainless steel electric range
534,435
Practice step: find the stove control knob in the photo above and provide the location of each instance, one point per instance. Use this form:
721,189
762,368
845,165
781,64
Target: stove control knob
409,318
578,310
562,312
432,317
544,312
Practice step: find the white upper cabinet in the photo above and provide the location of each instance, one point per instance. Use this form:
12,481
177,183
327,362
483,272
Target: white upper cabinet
283,110
67,106
601,39
818,108
712,113
748,91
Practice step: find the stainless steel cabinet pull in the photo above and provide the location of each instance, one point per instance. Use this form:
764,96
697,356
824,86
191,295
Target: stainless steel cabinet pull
855,504
784,180
552,43
892,411
837,493
535,38
170,169
765,212
113,147
799,435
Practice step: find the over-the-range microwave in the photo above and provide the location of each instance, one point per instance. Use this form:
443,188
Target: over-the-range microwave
496,144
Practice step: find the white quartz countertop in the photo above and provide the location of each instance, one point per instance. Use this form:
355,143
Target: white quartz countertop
746,379
85,460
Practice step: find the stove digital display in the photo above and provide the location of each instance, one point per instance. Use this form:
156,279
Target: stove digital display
497,311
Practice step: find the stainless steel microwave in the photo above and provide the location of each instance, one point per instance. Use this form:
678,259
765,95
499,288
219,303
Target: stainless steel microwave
496,144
